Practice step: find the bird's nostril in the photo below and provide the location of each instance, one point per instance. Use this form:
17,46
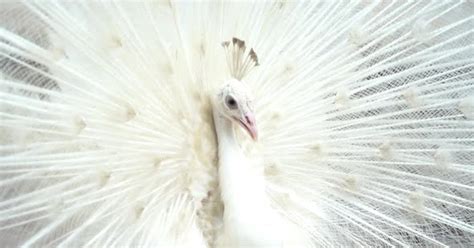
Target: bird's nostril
247,119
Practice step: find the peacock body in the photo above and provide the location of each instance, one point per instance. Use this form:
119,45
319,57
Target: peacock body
364,113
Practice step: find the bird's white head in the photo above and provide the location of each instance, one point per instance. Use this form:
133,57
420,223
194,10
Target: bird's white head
234,103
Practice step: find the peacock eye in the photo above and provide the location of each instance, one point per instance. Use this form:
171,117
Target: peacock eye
231,102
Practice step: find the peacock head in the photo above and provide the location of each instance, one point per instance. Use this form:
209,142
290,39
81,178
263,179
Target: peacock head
234,103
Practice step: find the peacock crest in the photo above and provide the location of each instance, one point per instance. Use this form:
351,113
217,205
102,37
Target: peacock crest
239,62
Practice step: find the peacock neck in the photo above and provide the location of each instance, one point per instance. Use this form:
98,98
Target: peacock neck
225,133
240,184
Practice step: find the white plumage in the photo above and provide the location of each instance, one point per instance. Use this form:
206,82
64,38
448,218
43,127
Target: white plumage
364,113
248,218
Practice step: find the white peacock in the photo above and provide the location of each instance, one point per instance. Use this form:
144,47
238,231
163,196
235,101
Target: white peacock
120,124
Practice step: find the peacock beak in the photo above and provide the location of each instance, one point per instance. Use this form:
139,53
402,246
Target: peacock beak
249,124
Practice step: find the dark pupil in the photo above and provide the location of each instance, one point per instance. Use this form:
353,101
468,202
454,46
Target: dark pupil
231,103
